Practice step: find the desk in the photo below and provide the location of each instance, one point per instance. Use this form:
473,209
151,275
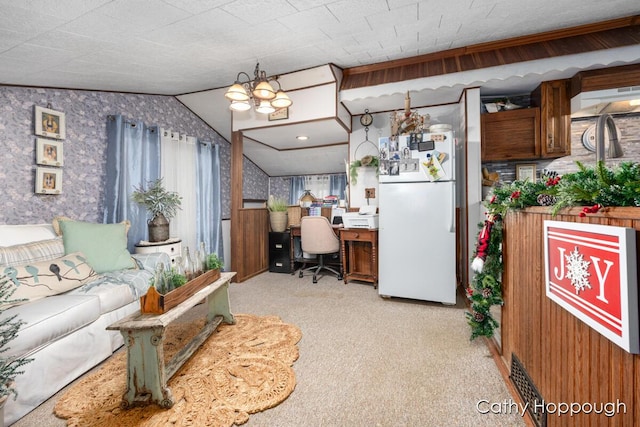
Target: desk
359,247
144,334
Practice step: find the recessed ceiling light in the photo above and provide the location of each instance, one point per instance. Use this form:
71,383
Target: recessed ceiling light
302,137
634,102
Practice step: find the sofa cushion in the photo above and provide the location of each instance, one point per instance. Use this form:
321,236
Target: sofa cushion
17,234
42,279
58,219
50,318
105,245
111,293
42,250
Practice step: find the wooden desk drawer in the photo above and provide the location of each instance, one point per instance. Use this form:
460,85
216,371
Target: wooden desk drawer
363,235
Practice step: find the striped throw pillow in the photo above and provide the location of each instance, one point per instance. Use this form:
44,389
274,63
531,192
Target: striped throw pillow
43,250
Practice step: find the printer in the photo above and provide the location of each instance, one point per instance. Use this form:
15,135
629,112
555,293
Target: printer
366,217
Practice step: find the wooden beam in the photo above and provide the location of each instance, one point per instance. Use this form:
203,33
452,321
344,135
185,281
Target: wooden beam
567,41
236,202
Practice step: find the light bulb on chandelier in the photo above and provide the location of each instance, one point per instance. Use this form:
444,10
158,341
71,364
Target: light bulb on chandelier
265,98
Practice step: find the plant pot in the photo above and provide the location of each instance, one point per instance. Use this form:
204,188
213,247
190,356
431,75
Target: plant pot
158,229
278,221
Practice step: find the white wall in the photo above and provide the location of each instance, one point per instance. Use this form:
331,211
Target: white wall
474,172
226,243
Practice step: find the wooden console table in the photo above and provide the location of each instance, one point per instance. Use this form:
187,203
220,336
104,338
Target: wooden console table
143,336
359,248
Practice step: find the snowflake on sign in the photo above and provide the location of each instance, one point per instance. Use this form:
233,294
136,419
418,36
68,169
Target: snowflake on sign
578,270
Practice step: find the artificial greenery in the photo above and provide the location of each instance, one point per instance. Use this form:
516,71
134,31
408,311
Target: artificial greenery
213,262
9,328
276,204
486,288
171,280
174,279
157,199
599,186
591,187
367,161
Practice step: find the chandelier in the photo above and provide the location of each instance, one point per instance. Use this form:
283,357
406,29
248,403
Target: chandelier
265,99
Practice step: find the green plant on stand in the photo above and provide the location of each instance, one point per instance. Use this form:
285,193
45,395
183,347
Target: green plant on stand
9,328
161,205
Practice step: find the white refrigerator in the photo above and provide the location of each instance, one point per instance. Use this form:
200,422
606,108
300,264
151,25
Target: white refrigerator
417,221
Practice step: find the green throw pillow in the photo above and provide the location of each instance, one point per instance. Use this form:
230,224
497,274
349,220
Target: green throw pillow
104,245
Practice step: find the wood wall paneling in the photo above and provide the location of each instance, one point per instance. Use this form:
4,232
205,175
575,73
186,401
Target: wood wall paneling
586,38
567,360
249,227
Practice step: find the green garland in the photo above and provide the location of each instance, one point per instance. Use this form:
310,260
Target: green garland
592,187
486,289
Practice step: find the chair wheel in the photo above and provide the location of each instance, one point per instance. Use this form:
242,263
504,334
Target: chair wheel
339,277
315,280
300,275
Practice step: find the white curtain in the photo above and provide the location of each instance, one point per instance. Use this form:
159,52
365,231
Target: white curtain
318,184
178,169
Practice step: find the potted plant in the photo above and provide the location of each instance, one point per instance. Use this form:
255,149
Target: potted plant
9,327
277,213
161,205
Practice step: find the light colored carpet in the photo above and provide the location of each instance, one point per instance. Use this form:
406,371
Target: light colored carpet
367,361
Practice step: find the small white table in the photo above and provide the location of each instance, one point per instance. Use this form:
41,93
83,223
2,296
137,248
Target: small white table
143,336
172,247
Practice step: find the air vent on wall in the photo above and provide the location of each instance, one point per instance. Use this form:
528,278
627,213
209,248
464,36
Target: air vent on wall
528,391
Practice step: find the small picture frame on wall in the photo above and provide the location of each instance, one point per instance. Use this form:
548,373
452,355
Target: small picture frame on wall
526,171
49,123
48,181
49,152
279,114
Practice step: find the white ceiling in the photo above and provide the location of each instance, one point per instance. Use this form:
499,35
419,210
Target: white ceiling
176,47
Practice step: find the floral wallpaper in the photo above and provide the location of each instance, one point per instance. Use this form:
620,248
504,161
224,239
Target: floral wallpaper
85,150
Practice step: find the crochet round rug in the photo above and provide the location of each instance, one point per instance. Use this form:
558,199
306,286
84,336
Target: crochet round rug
239,370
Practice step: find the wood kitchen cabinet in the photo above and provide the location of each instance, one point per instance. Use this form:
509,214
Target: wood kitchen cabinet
511,135
553,99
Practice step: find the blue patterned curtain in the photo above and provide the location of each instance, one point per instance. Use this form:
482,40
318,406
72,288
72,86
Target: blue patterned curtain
337,185
133,159
297,189
209,212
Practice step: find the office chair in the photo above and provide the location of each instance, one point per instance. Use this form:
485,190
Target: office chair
318,238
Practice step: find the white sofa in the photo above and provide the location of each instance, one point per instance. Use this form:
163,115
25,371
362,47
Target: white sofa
65,334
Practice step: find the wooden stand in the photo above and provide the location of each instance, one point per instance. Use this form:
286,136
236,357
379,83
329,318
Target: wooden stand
143,335
359,248
154,302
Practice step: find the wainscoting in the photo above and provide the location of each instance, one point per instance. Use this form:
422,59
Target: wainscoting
566,360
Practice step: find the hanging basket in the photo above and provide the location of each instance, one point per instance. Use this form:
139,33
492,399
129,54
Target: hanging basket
368,161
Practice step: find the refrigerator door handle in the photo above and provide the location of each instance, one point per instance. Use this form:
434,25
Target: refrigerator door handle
452,216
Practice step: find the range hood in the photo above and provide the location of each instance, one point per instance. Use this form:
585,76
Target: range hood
609,101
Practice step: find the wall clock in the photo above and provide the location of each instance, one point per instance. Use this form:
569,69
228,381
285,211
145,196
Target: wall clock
366,119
